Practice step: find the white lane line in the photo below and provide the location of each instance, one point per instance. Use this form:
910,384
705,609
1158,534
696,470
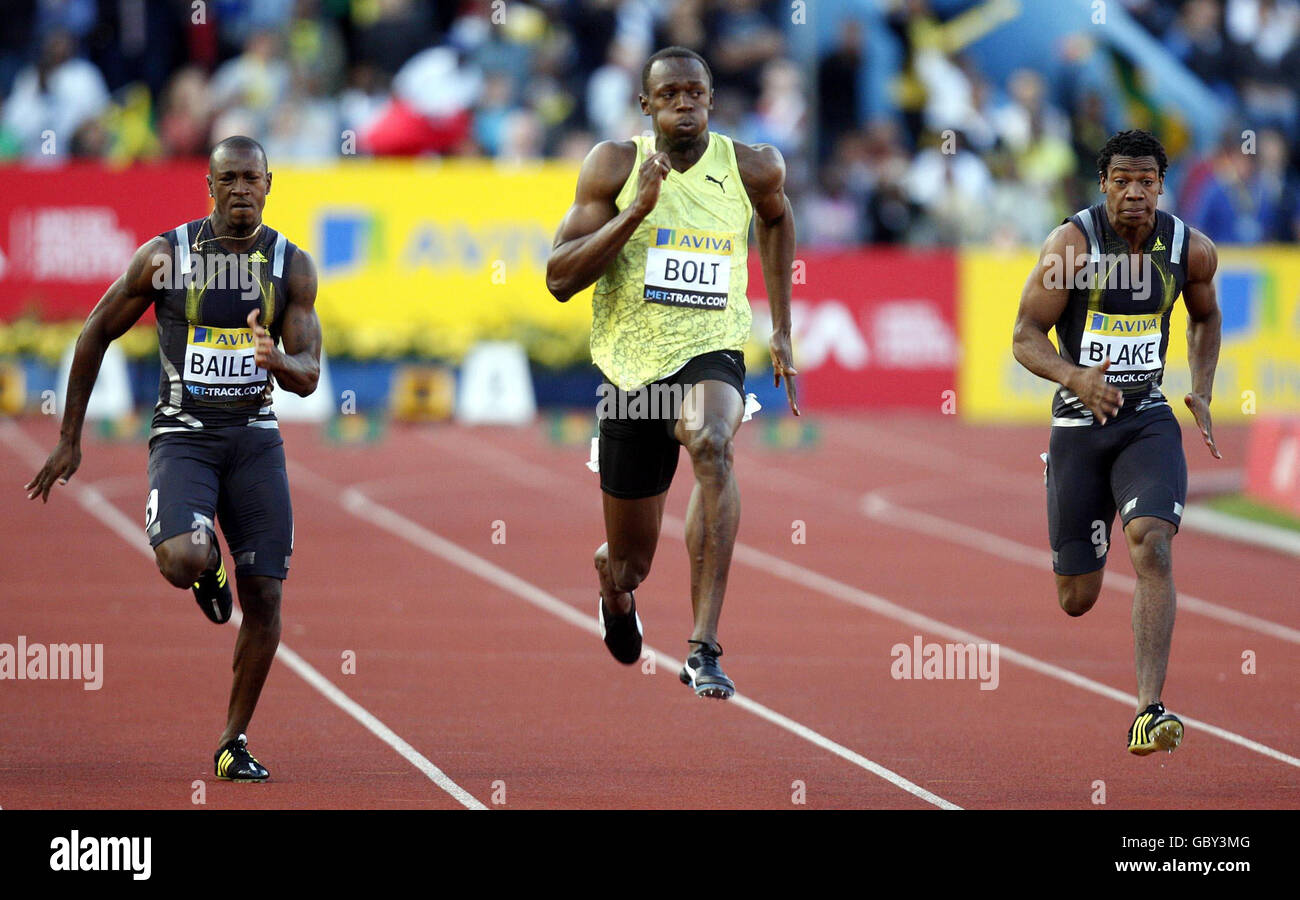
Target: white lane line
816,581
875,506
361,506
117,521
1235,528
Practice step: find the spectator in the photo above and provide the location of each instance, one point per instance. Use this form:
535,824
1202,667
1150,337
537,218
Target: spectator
612,92
186,114
1027,114
392,34
256,80
743,41
838,98
493,112
1265,34
53,99
779,118
832,217
1197,40
1235,205
954,188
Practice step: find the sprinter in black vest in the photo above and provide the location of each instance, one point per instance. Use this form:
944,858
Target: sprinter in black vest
1106,281
226,291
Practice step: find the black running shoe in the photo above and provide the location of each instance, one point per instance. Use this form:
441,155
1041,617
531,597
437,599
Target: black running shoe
212,592
235,763
703,674
1154,729
621,632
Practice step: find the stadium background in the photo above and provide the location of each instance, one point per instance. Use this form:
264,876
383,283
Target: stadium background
425,152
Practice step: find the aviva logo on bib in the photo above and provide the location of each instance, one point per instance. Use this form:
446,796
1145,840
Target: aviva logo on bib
221,364
694,241
220,338
1099,323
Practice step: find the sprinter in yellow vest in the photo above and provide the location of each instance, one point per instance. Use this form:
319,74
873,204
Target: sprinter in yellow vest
661,226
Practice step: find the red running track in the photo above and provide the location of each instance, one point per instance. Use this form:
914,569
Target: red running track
454,566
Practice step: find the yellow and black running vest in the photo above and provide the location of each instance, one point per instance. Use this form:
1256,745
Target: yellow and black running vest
210,378
677,287
1119,310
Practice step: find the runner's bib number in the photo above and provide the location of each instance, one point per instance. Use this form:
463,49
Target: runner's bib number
1131,343
220,364
684,267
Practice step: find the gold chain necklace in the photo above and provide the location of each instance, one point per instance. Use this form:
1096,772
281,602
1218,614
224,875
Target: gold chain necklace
198,244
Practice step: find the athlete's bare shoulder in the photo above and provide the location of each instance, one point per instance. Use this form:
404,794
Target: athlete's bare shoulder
762,168
149,267
1066,235
606,168
1202,257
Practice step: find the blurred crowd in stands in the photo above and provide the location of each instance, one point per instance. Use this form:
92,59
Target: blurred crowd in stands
963,160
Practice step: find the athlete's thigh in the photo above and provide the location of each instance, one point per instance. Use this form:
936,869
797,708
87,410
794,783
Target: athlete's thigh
637,456
1149,477
1080,507
254,508
713,387
709,404
184,480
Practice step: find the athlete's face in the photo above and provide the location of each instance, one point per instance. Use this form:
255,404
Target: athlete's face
679,100
238,182
1132,186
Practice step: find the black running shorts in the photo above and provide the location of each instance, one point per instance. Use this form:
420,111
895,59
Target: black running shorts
1133,464
638,452
235,476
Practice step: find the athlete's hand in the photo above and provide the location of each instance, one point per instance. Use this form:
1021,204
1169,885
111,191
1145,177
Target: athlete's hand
783,366
63,462
648,181
1091,387
1200,408
265,353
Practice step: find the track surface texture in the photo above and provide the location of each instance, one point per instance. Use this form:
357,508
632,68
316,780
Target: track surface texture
440,646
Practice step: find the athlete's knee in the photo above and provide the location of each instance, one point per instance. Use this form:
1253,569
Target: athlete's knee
1077,593
182,561
1152,551
627,574
259,598
712,449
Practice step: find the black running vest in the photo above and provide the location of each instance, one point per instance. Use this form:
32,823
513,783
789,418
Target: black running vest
210,378
1118,309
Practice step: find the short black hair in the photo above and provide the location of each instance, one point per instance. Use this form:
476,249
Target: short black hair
672,53
238,142
1132,143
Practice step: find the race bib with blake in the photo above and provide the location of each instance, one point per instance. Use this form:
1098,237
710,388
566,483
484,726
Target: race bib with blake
685,267
1131,343
220,364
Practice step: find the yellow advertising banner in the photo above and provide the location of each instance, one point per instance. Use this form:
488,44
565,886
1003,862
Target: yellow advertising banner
428,257
1259,363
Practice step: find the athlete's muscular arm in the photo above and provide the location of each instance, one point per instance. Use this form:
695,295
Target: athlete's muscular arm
762,169
593,230
121,307
1042,302
297,366
1203,321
